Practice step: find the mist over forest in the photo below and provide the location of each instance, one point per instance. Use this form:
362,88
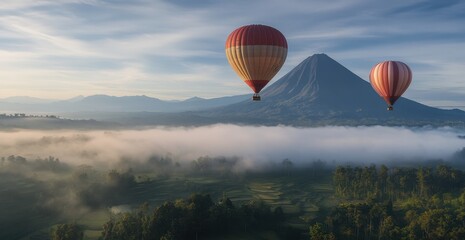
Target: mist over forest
64,176
254,146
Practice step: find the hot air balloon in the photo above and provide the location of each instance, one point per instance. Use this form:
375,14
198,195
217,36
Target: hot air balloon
256,53
390,79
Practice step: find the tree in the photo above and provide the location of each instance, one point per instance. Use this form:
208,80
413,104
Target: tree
383,176
424,179
67,231
287,165
199,206
388,230
317,232
436,223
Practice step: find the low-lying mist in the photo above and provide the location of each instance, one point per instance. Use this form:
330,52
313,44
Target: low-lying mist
253,145
55,175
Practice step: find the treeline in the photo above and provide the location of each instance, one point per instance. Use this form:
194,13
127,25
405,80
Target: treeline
395,183
226,166
103,191
436,218
16,162
23,115
87,187
38,191
396,203
192,218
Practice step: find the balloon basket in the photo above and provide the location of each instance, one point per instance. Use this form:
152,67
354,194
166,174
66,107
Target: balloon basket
256,97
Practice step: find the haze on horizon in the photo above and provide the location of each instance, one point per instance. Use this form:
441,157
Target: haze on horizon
253,146
175,49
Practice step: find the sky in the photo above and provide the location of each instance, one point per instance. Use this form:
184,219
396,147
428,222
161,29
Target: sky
174,49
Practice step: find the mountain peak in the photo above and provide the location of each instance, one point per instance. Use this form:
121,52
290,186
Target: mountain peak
321,89
194,99
305,82
317,57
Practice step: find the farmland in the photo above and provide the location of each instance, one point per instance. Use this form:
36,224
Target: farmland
279,202
301,195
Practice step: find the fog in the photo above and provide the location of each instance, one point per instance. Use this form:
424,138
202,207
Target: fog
253,145
39,186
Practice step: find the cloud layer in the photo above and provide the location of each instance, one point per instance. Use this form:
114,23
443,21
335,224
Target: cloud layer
254,145
174,49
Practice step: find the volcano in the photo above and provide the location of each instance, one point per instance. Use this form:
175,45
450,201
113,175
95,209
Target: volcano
320,91
317,92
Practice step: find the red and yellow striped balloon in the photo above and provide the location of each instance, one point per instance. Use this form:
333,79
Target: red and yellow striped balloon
256,53
390,79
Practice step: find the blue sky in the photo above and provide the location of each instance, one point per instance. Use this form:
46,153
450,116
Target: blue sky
175,49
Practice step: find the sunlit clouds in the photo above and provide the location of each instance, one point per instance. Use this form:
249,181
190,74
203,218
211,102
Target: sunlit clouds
175,49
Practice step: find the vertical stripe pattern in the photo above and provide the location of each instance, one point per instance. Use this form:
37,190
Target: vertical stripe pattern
256,53
390,79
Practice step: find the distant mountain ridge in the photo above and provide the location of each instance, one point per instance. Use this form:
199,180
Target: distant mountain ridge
319,91
106,103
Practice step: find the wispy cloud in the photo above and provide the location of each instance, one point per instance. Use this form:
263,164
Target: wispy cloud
93,44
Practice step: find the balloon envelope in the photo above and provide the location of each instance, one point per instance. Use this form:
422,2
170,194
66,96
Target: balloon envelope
256,53
390,79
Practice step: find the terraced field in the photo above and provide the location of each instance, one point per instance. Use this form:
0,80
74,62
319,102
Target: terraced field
301,197
18,198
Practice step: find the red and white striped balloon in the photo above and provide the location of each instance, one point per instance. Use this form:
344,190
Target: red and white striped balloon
390,79
256,53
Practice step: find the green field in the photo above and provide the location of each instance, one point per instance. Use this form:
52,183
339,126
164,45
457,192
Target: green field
17,199
301,196
345,202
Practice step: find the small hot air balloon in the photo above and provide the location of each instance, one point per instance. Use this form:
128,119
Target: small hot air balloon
390,79
256,53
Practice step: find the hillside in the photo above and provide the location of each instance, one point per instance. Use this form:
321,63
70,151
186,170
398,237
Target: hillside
105,103
321,91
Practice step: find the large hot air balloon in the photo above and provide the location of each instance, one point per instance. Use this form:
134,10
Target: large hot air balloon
256,53
390,79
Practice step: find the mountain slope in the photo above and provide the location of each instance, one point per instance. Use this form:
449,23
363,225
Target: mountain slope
322,91
104,103
319,91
